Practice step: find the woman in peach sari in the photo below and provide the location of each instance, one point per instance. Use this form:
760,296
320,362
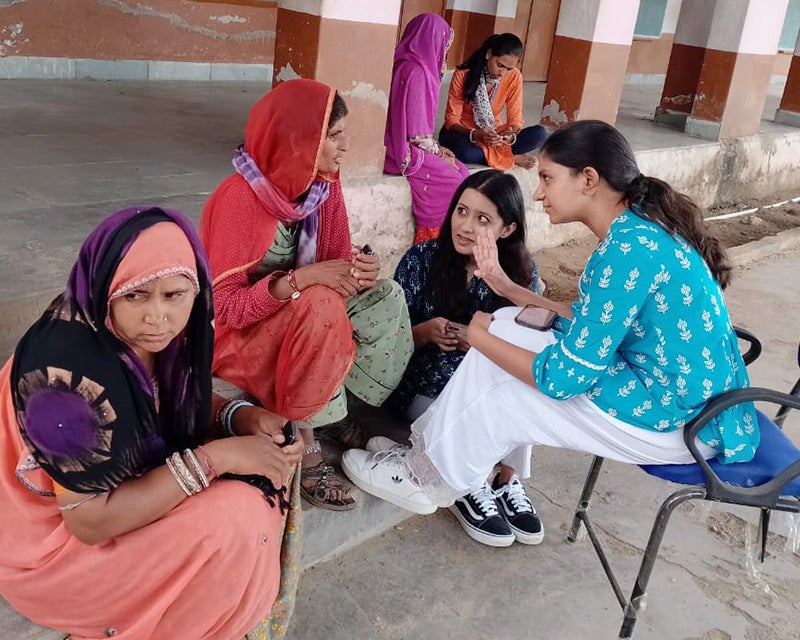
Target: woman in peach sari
127,512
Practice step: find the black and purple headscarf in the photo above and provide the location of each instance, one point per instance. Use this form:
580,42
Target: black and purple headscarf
85,402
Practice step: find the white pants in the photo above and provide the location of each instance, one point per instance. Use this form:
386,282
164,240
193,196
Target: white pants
485,414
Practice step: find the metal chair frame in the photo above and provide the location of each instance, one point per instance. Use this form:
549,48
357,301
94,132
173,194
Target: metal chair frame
765,497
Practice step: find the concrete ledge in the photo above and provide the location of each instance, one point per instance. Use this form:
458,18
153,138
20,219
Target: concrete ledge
30,67
765,247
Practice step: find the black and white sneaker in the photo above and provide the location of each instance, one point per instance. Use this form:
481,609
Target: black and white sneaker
477,512
520,514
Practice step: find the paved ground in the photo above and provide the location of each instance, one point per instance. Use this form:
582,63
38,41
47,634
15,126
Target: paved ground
426,579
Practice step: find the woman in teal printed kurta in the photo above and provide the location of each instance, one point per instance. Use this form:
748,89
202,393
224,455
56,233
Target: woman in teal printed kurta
637,356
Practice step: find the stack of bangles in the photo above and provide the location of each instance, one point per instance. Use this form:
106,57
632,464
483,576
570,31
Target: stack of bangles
225,414
192,476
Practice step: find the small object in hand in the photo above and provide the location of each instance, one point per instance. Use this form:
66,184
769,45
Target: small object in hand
289,433
457,329
534,317
367,250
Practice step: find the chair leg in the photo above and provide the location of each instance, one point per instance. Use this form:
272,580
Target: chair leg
784,411
764,522
586,496
638,599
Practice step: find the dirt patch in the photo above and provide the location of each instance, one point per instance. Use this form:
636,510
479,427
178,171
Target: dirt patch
560,267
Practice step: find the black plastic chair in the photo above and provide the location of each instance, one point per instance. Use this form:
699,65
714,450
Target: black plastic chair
771,481
783,411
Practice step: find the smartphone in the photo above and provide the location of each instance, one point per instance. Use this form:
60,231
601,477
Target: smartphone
289,433
534,317
367,250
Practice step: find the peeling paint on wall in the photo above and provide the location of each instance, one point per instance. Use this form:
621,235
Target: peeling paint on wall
228,19
684,99
141,10
366,91
9,35
553,112
287,73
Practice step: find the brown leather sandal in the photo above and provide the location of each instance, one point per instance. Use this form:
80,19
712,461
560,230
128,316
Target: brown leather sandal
346,433
321,484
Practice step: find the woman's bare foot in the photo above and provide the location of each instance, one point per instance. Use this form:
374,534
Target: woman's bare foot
525,161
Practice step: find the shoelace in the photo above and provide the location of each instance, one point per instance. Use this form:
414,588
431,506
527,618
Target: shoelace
517,497
484,497
395,458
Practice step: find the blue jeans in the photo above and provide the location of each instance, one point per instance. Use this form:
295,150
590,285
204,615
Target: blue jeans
468,152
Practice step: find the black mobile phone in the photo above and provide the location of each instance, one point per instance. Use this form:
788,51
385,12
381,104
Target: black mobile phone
289,433
534,317
367,250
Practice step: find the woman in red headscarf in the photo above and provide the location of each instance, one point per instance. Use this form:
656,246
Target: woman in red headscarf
300,313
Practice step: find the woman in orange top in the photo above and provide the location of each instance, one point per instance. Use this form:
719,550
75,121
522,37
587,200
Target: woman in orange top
481,87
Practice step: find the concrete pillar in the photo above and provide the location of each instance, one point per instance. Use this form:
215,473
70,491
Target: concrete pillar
720,67
589,60
348,44
789,110
473,21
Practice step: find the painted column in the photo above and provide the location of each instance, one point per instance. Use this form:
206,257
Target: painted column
475,20
789,110
589,60
720,67
348,44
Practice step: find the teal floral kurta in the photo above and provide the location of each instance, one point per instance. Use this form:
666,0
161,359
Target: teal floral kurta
651,340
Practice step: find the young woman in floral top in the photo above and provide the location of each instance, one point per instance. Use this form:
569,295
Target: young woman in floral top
635,358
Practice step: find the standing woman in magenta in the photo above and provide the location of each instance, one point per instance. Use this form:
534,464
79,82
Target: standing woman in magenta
432,170
481,87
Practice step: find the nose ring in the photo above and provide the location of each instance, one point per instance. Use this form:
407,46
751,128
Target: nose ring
164,318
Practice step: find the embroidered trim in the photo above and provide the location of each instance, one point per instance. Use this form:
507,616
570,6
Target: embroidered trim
173,271
585,363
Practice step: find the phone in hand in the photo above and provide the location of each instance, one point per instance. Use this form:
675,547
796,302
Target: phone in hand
289,433
534,317
457,330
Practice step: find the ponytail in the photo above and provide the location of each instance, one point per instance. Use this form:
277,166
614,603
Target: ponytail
592,143
679,215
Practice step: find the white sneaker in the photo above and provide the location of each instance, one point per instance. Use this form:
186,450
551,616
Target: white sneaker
382,443
386,475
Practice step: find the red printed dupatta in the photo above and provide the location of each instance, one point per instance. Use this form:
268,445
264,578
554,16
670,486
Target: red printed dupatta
284,136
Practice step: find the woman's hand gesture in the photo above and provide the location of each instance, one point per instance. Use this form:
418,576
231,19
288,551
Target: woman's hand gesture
487,136
334,274
255,455
434,331
488,263
366,268
256,421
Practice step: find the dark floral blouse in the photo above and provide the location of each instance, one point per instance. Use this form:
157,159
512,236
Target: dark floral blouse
430,368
